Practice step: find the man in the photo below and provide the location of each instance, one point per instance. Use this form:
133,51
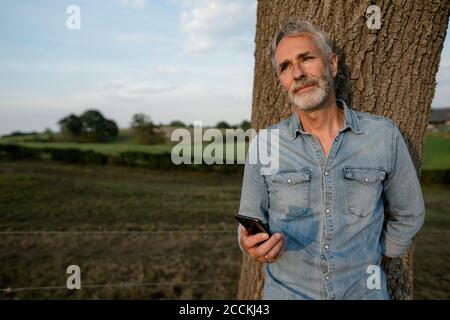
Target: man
339,171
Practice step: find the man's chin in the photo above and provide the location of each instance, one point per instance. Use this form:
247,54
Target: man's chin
308,106
312,108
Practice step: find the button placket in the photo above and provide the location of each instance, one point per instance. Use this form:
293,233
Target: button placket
328,230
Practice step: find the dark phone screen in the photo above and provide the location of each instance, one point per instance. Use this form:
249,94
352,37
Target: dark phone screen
253,225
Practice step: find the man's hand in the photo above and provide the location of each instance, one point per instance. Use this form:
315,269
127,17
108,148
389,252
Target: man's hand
261,250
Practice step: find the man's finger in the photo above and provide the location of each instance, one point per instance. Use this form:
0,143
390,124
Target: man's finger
264,248
244,231
251,241
276,251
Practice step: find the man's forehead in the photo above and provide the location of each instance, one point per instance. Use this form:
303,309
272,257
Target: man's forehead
293,45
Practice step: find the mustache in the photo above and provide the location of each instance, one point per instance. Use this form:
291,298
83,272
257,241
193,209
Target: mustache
301,83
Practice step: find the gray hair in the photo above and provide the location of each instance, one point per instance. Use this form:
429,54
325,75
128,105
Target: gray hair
294,28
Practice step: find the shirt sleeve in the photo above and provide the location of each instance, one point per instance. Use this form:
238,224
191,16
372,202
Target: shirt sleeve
403,201
254,194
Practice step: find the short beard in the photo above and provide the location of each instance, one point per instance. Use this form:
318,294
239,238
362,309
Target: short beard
315,98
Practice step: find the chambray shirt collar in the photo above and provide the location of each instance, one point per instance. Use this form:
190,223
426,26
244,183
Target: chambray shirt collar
351,120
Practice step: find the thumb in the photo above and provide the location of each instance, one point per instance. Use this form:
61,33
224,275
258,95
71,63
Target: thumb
244,231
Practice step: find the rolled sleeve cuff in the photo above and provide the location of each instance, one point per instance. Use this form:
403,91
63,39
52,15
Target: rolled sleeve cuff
392,248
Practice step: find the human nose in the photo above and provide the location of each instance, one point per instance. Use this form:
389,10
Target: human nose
297,72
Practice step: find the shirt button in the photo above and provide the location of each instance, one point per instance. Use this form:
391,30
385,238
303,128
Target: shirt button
326,173
327,211
366,179
326,246
289,180
327,278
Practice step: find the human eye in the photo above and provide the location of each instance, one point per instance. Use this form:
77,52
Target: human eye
284,67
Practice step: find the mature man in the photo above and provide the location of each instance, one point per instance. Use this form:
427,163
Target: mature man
339,171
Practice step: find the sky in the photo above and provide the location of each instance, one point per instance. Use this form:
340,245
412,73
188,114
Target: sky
188,60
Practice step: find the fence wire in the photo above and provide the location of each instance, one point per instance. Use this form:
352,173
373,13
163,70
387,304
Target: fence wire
122,285
94,232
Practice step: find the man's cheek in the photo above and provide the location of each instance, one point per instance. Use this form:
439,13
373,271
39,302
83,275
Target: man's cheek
286,82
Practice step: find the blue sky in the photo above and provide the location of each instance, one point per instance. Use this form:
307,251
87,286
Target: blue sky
175,59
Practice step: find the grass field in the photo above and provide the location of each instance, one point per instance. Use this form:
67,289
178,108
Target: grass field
37,196
173,264
436,151
432,260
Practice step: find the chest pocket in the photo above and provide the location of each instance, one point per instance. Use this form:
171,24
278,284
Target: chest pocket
289,194
363,189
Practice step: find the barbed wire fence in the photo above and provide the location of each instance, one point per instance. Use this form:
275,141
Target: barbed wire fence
226,252
230,252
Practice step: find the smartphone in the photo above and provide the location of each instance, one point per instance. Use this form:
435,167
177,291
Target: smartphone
253,225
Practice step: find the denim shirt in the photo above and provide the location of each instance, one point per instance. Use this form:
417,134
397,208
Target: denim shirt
331,209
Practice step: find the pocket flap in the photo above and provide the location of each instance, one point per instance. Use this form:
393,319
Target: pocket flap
365,175
292,177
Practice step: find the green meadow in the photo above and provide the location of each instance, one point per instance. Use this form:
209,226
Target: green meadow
437,150
183,235
151,234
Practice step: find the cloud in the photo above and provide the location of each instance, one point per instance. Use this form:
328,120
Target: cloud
134,38
208,25
445,63
442,93
443,74
138,90
163,101
158,43
170,71
133,3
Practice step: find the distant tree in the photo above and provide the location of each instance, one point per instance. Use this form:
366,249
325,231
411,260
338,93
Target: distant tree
48,135
19,134
144,130
177,123
245,125
90,126
222,125
71,126
96,127
141,120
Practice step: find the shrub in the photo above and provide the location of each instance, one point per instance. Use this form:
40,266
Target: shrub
16,152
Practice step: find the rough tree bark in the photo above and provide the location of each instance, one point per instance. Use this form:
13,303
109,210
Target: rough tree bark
388,71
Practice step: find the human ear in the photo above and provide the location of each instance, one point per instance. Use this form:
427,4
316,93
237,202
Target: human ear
334,64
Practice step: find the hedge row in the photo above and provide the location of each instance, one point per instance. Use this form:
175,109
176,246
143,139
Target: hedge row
135,159
152,161
436,176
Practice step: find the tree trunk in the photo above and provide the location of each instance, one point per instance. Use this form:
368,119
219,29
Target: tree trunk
388,71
